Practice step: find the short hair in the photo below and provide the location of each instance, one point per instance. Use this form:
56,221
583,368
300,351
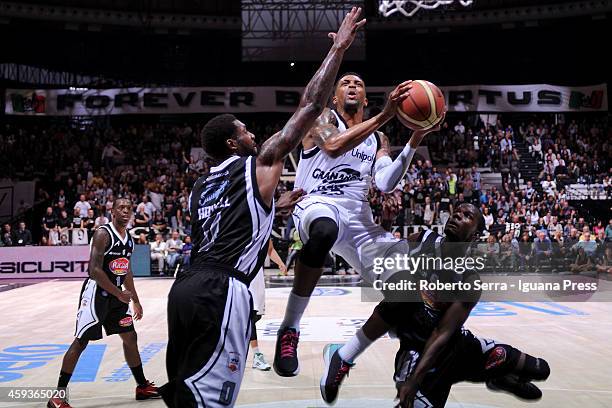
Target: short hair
116,202
216,132
347,74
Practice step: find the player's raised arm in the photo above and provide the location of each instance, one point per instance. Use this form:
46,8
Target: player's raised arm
327,137
274,151
390,172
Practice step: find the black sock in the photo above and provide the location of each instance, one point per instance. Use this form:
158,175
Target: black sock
64,378
139,375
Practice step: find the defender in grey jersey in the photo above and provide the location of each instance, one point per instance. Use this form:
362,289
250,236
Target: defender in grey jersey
232,208
341,157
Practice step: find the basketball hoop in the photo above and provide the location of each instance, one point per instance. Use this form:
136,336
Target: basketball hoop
388,7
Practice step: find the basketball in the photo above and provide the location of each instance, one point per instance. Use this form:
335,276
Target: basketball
424,108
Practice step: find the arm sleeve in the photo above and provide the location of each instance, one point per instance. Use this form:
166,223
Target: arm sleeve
389,173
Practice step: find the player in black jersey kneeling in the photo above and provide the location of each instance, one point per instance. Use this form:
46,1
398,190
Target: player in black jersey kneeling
103,302
435,350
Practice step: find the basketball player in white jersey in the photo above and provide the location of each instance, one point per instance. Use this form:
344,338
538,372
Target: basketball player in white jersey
341,156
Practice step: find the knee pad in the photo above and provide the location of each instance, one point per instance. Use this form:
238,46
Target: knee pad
501,360
533,369
322,235
505,359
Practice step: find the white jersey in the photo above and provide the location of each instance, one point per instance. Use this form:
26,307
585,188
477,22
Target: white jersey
348,176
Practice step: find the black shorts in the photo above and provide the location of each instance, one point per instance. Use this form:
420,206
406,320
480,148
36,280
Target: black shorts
99,309
209,327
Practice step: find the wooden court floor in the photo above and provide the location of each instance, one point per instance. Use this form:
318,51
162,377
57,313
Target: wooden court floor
37,324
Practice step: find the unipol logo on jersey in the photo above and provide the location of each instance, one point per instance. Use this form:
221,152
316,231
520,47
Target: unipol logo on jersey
362,156
119,266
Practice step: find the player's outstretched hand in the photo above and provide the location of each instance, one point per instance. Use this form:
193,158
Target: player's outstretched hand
348,29
288,200
137,311
406,394
418,135
125,296
397,96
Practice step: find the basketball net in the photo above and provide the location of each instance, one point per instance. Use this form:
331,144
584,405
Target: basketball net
410,7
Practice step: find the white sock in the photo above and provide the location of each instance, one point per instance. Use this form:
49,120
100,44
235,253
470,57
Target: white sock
356,345
295,309
255,350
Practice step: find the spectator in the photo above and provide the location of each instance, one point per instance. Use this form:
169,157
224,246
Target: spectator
158,253
89,223
598,228
141,221
605,263
582,263
63,222
49,224
549,186
23,236
159,224
488,218
83,206
492,251
609,231
100,221
294,249
186,251
589,245
525,253
142,240
109,153
149,208
8,237
542,248
173,248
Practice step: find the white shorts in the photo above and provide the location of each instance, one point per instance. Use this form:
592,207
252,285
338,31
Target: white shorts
360,239
258,291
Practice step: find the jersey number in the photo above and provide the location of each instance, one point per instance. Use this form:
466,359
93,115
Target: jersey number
227,393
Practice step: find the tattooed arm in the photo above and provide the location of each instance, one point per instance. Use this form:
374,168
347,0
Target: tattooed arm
327,137
272,156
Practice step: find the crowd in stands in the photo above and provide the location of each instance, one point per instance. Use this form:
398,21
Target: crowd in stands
81,171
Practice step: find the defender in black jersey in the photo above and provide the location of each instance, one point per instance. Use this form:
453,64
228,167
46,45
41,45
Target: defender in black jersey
435,350
103,302
232,209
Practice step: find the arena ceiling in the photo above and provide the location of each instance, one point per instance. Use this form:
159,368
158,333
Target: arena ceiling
203,42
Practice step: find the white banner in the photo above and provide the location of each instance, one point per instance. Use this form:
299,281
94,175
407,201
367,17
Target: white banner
469,98
44,262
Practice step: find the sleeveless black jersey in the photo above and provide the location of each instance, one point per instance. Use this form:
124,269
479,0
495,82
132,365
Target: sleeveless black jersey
117,255
231,224
414,322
